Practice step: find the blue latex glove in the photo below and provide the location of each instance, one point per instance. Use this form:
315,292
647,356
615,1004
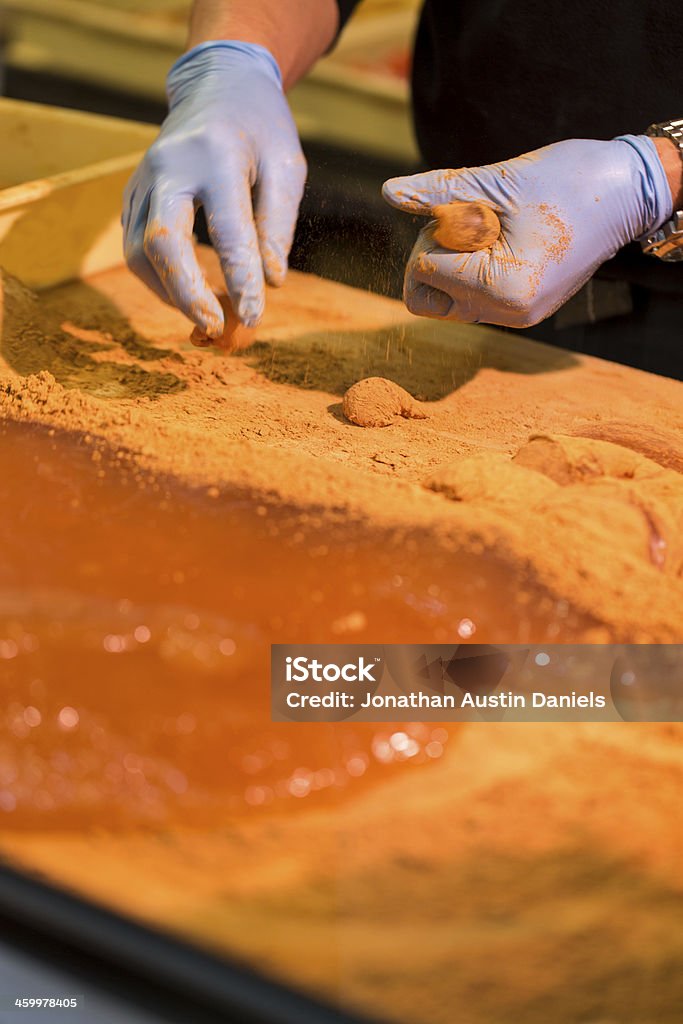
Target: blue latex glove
563,209
229,144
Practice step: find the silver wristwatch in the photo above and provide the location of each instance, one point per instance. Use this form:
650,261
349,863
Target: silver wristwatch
667,242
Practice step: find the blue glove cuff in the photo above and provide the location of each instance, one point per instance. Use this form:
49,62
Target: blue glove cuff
217,54
656,191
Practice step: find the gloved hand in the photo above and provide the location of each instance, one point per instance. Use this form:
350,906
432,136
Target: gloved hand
563,209
229,144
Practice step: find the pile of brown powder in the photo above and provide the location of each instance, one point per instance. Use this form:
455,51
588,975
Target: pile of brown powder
105,358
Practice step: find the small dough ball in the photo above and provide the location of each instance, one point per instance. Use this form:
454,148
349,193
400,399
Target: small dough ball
377,402
235,335
465,227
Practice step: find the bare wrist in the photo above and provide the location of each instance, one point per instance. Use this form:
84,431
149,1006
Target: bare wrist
670,156
296,33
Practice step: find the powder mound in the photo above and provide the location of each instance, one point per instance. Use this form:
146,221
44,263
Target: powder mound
568,460
492,478
585,491
662,446
614,475
235,336
378,402
39,388
39,395
587,519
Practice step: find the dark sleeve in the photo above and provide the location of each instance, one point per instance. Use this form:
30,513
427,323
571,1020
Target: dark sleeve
346,8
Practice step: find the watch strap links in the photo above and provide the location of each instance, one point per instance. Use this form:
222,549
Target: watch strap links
667,241
669,130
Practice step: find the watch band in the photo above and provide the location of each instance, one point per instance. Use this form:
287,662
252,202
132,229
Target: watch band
667,242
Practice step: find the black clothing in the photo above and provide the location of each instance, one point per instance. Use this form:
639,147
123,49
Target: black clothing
496,78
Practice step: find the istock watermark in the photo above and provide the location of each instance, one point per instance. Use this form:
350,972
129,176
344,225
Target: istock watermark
303,669
477,682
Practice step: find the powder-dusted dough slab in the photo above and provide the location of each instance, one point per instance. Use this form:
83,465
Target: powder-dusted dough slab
105,357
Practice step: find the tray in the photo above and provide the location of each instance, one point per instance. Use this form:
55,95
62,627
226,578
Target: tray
62,174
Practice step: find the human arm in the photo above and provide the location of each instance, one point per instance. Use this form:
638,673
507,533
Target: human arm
297,33
228,144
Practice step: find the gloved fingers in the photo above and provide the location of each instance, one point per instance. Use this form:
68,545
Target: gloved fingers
439,284
423,300
447,271
134,195
169,249
230,220
142,268
483,288
128,202
418,193
278,195
135,214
